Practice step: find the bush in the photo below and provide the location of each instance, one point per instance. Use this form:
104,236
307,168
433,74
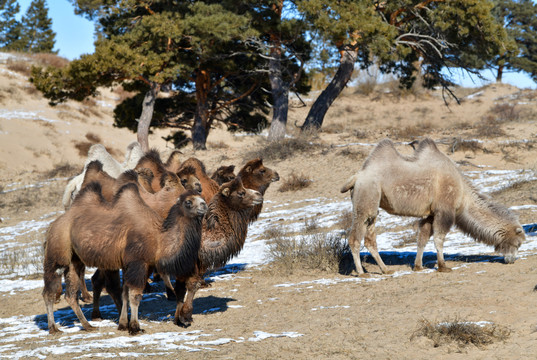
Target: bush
461,332
295,182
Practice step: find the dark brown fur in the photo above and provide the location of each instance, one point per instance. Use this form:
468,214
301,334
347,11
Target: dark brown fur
173,163
188,178
125,234
224,174
151,160
224,231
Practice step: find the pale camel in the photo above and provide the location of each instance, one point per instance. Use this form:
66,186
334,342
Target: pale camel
427,185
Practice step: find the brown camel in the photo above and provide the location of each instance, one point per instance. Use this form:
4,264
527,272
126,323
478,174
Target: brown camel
224,174
209,187
173,163
127,235
428,185
151,160
224,231
188,178
258,177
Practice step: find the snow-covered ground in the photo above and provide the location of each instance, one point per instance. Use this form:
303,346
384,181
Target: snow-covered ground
255,253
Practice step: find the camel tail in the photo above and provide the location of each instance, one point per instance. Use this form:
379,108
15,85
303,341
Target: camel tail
349,184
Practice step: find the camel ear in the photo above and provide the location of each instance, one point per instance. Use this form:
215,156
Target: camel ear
519,231
225,192
248,169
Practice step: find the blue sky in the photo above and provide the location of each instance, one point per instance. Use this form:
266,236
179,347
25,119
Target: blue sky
74,37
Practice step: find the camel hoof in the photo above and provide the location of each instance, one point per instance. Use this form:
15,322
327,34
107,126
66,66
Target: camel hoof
364,275
388,272
444,269
135,330
87,299
96,317
182,322
418,268
122,327
53,330
89,328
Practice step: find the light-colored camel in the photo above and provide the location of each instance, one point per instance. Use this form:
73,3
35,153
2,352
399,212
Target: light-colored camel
126,235
110,165
427,185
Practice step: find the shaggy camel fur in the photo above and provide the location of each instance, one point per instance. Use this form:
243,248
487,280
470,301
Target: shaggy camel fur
209,187
173,163
224,231
224,174
151,160
127,235
110,165
428,185
258,177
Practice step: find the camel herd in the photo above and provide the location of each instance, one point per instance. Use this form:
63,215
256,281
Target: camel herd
169,217
172,218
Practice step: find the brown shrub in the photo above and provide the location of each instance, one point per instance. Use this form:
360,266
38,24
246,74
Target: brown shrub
295,182
22,67
459,144
93,138
48,59
282,149
461,332
320,251
63,169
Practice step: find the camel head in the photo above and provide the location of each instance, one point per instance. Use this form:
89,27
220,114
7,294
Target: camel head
170,180
512,239
257,176
224,174
193,204
239,197
189,179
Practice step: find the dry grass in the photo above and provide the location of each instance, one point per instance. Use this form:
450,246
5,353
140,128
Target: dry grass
23,260
459,144
352,154
24,62
319,251
282,149
61,170
218,145
488,129
295,182
89,107
506,112
462,333
93,138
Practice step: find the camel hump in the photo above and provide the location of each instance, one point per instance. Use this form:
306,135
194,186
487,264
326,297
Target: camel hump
125,190
129,176
349,184
153,156
95,165
426,143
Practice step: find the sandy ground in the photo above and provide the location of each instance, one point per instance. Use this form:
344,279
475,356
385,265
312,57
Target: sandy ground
342,317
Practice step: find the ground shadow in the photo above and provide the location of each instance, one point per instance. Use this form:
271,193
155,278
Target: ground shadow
407,258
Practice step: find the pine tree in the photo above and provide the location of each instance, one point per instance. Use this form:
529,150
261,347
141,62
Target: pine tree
198,49
519,18
400,34
37,34
10,28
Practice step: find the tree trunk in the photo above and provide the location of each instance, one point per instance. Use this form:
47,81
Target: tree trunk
201,118
147,114
280,92
499,74
315,117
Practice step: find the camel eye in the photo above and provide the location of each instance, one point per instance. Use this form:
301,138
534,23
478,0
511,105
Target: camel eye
188,204
241,193
183,182
262,171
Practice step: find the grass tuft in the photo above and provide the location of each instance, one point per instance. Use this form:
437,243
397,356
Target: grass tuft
461,332
295,182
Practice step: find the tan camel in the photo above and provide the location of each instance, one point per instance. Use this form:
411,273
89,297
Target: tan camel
127,235
427,185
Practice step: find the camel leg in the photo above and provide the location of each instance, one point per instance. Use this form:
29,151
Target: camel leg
72,283
123,317
355,239
441,224
135,278
97,283
425,230
53,284
85,295
112,285
370,242
135,297
180,291
185,315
